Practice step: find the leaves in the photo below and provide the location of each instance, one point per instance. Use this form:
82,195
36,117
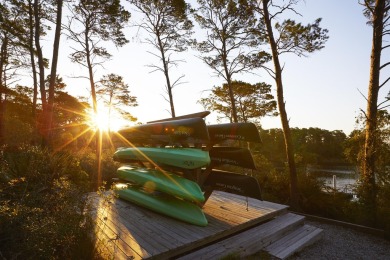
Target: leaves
299,39
229,26
94,21
253,101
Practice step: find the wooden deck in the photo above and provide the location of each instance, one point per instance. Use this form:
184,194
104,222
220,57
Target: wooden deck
126,231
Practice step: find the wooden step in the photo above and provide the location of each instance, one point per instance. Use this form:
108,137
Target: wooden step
250,241
294,241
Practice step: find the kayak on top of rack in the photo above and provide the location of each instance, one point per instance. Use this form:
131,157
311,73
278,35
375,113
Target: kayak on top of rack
173,132
202,114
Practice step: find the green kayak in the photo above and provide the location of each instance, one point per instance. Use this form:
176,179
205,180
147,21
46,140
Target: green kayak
162,181
164,204
186,158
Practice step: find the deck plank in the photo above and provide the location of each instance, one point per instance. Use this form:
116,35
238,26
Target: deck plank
249,241
132,231
161,227
294,241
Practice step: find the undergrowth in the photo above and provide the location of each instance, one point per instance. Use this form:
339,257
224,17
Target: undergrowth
319,200
42,205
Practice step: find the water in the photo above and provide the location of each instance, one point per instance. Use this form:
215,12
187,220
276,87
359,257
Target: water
343,183
345,178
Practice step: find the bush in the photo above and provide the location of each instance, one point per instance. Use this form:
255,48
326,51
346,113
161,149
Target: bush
275,186
108,166
41,204
314,197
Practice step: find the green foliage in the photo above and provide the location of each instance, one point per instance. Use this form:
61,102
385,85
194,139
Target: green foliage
314,197
41,204
17,118
89,164
20,125
228,24
228,47
355,151
253,101
275,186
318,199
93,21
318,146
312,146
384,208
168,24
299,39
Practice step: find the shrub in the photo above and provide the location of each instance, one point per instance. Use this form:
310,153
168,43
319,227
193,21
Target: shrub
42,204
108,166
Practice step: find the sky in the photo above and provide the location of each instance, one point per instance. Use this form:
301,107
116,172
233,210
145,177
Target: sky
322,90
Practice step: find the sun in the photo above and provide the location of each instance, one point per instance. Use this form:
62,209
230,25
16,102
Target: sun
103,121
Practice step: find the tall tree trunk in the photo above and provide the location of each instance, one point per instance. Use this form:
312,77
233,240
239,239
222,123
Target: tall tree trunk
41,66
294,192
98,178
229,83
53,73
32,57
166,69
3,56
369,188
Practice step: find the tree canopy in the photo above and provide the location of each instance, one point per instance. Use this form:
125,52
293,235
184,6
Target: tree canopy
169,29
253,101
227,47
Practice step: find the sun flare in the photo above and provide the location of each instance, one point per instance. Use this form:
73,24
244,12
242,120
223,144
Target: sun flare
103,121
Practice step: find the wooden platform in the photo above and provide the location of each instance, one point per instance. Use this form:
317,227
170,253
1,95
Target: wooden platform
126,231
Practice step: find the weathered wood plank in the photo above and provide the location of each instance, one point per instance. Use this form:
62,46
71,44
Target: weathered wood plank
294,241
160,224
250,241
137,237
220,195
238,210
107,247
152,240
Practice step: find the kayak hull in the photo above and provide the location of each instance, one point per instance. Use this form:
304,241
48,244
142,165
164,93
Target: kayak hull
186,158
233,183
164,204
192,130
234,131
162,181
236,156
